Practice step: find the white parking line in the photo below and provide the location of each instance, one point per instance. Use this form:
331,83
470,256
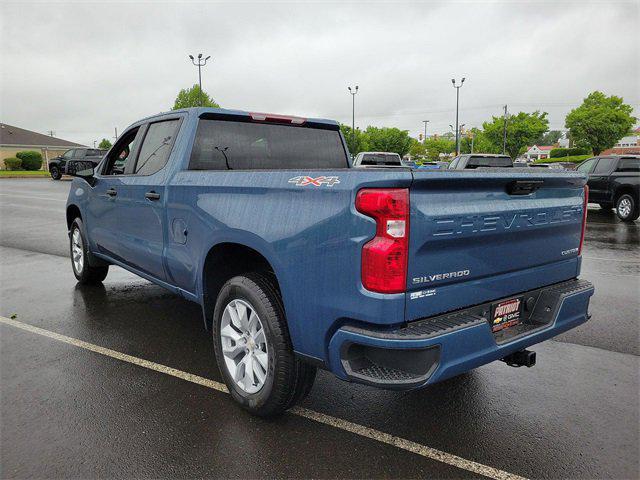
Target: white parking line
366,432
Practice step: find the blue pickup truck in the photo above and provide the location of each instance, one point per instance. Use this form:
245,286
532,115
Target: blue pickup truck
391,277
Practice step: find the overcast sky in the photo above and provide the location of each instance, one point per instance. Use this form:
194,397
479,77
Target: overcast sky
81,69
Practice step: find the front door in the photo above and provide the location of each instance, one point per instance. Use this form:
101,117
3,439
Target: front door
142,200
599,180
104,207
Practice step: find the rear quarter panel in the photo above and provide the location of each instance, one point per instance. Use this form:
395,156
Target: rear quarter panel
311,235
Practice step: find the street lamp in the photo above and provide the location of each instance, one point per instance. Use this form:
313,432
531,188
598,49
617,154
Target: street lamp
425,129
353,109
457,87
200,63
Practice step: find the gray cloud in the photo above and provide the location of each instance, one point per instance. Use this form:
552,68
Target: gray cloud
82,68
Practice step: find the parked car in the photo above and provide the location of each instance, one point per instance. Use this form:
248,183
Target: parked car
378,159
58,165
614,182
476,160
389,277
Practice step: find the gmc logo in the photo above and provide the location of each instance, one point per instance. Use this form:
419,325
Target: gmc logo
508,221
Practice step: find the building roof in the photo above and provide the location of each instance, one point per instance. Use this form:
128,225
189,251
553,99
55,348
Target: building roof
19,137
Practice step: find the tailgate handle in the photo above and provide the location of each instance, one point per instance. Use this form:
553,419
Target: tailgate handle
523,187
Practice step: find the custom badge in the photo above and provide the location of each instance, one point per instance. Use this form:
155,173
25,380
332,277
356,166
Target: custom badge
304,181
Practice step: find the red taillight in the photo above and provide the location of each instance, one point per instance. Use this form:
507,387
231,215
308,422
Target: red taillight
270,117
584,217
384,258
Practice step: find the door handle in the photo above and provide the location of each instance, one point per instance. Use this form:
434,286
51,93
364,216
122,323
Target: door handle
152,195
111,192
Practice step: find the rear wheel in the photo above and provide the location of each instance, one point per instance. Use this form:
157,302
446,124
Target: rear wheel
56,173
83,271
253,348
627,208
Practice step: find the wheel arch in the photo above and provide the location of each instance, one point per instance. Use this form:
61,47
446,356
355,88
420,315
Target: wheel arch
621,190
224,261
73,212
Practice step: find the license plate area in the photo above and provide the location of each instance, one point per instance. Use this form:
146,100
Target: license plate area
506,314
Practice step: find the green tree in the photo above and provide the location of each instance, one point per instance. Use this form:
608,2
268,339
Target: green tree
355,140
481,144
417,149
549,138
437,145
599,122
104,144
192,97
522,129
385,139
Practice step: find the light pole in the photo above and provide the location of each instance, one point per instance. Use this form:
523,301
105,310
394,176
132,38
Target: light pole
200,63
425,130
353,109
457,87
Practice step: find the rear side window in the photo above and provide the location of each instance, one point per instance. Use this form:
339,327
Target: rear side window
629,165
156,147
605,165
476,161
222,145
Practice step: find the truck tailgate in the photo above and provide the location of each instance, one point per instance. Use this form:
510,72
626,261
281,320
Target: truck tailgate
486,234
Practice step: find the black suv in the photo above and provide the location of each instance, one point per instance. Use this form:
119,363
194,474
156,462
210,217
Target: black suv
614,182
58,165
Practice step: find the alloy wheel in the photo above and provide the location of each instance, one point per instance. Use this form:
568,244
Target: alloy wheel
244,346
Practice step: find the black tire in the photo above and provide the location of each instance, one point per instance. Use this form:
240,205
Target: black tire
288,379
56,174
86,274
605,206
627,208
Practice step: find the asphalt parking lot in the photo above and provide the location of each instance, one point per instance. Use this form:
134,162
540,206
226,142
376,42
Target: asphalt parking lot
120,381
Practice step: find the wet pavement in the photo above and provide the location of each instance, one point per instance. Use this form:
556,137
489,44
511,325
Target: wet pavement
68,412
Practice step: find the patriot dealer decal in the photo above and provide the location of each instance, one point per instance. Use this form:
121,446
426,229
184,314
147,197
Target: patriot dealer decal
315,182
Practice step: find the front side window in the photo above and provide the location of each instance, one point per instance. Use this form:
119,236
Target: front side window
156,147
79,153
237,145
68,154
586,167
604,166
121,154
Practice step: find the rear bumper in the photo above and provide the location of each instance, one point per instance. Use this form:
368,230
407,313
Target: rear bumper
434,349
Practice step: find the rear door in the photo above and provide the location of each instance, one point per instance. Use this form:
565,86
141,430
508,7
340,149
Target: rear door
476,236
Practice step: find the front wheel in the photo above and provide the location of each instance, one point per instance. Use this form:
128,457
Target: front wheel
56,173
627,208
253,348
84,273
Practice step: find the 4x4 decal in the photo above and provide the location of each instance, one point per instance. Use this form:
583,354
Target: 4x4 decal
303,181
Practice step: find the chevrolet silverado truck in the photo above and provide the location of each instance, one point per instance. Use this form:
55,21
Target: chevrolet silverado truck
58,166
614,181
391,277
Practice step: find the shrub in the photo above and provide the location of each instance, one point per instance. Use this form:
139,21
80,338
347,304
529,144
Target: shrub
572,159
12,163
31,160
569,152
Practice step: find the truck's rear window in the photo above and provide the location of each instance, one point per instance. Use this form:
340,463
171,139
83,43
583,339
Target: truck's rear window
480,161
223,144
